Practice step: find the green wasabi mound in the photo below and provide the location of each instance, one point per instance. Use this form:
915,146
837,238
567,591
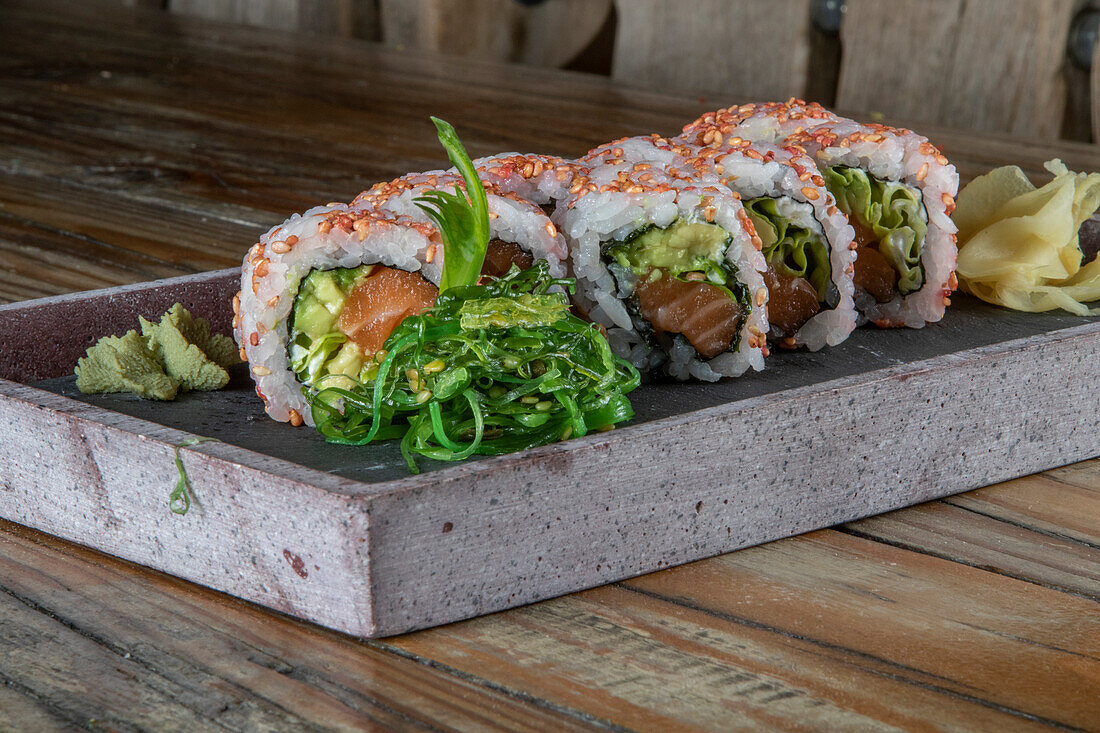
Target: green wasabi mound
176,354
183,358
221,350
125,364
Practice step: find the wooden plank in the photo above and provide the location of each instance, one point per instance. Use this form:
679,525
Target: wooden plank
934,59
19,708
76,261
550,33
969,633
981,541
716,47
647,656
1085,475
1043,503
327,17
167,654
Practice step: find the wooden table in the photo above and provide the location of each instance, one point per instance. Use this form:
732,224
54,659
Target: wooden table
136,146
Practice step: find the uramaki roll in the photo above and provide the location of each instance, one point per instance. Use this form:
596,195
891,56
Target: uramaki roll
896,187
805,238
668,266
321,292
540,179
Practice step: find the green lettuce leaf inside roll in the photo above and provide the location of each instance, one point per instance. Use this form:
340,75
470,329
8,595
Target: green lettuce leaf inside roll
793,250
889,212
799,274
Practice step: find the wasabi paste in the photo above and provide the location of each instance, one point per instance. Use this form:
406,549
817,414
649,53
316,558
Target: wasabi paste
175,355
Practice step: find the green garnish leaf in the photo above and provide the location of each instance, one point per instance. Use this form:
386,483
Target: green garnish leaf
461,217
179,501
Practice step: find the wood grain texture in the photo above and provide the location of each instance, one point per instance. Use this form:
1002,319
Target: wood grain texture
960,533
990,65
1029,502
321,17
219,131
724,48
823,632
550,33
169,655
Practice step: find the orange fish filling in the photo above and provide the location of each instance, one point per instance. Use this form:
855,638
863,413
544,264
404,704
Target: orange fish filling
387,296
873,272
702,313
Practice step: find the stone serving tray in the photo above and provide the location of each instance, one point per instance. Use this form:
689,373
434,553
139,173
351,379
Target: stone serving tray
346,538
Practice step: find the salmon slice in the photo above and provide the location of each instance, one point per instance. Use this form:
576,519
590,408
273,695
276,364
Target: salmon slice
376,306
703,313
791,300
873,272
501,255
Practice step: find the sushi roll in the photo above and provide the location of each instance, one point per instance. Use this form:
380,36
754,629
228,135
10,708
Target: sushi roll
520,231
805,239
897,189
668,264
321,292
378,321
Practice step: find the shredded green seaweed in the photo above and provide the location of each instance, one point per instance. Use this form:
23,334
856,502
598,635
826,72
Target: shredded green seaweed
492,367
892,211
179,501
451,389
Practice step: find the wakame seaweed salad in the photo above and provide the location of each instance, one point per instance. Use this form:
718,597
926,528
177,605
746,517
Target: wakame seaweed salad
494,366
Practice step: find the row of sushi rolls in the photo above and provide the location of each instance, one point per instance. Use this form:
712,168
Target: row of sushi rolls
516,300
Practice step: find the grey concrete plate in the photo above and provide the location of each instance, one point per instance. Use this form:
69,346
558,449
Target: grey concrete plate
344,536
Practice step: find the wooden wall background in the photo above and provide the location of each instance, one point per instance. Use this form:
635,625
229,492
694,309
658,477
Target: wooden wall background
988,65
